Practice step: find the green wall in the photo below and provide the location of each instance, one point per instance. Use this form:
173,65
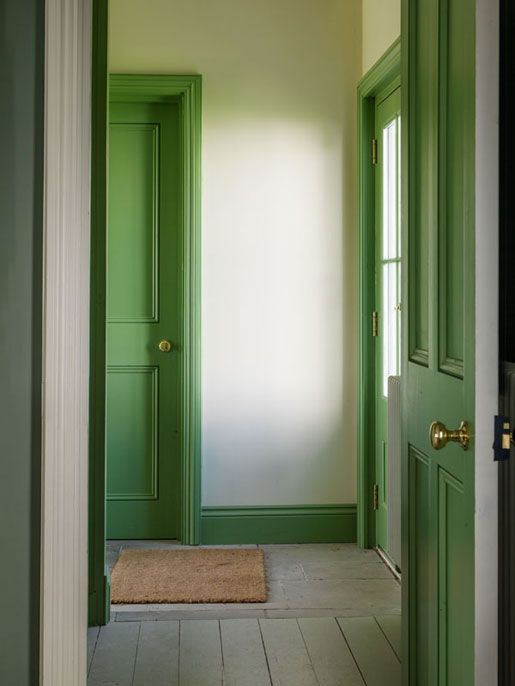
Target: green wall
21,138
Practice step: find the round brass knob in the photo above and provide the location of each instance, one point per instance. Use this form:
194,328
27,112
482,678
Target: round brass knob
164,346
440,435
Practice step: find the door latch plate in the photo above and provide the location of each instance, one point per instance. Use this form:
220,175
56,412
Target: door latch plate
503,438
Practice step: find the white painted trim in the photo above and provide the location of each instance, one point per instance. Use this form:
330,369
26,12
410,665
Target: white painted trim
487,326
64,569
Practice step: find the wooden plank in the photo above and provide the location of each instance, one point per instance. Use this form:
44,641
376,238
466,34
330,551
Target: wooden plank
200,658
391,627
376,660
157,662
243,653
92,643
330,655
115,655
287,656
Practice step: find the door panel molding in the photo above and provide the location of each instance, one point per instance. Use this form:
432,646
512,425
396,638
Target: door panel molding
381,80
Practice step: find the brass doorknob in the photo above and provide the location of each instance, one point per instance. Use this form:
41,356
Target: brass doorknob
164,346
440,435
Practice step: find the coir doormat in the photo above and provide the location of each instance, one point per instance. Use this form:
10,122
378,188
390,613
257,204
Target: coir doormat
199,575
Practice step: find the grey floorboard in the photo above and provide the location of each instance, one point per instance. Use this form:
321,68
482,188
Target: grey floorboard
115,655
317,570
360,594
243,653
200,656
391,626
157,661
288,658
330,655
375,657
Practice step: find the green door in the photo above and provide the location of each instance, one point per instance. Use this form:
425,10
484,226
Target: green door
388,287
439,361
143,321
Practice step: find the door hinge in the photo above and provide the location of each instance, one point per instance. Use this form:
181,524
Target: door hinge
503,438
374,150
375,323
376,497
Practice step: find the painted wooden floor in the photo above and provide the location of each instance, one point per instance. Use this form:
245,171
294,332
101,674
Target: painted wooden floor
312,651
308,580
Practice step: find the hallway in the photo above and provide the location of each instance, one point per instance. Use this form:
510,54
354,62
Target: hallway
332,618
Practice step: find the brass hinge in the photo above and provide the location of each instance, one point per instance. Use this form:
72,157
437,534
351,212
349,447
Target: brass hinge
375,323
374,150
376,496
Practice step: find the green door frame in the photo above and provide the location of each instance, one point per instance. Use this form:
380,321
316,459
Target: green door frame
98,581
383,75
186,90
143,88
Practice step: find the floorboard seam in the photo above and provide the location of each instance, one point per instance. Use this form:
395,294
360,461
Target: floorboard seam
307,651
387,639
350,650
136,656
179,654
264,650
94,651
221,650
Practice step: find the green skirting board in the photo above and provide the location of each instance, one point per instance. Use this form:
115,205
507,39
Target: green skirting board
286,524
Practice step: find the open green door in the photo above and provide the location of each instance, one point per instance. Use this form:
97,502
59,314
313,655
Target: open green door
438,484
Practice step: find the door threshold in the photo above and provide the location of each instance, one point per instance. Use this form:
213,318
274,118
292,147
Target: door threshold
391,565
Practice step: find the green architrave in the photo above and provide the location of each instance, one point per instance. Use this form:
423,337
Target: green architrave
384,74
187,91
144,88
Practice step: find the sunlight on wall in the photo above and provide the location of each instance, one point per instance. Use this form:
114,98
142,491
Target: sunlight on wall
278,234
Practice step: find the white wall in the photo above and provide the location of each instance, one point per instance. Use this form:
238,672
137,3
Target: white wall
278,234
381,27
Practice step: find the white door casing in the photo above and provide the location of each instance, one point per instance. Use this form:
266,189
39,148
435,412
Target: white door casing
65,389
487,326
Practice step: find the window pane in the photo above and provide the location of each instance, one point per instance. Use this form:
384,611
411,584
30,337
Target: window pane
390,330
391,190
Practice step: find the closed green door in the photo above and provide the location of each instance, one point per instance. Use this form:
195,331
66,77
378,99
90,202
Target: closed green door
388,287
143,317
439,362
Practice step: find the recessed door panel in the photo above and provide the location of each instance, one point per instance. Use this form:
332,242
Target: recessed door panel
419,564
132,437
133,223
454,582
423,188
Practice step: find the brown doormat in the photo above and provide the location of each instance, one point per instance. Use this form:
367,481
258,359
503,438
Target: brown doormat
201,575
